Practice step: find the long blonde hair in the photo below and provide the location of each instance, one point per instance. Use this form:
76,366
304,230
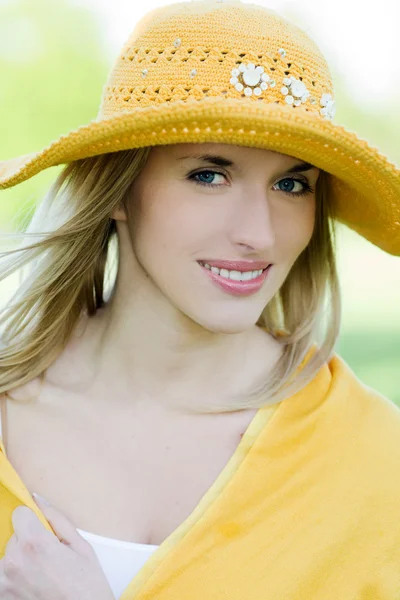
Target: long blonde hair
72,267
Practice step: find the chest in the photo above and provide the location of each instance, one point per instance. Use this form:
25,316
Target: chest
132,477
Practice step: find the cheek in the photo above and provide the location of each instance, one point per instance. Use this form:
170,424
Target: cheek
296,230
165,225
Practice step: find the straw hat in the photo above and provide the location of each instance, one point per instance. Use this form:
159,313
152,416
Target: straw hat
230,72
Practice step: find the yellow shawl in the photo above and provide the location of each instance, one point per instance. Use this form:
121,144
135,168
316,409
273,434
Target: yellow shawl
307,508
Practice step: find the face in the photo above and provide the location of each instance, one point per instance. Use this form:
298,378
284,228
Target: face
245,205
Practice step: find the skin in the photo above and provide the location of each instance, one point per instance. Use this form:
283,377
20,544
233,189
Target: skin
166,317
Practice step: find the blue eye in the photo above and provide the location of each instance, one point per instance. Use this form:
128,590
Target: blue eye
210,174
306,187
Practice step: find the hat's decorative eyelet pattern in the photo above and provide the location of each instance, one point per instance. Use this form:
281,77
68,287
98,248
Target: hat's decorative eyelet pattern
250,78
295,91
329,106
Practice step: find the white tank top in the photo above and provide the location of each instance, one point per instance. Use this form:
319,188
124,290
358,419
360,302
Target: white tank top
119,560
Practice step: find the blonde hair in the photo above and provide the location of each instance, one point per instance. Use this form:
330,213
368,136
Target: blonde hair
72,268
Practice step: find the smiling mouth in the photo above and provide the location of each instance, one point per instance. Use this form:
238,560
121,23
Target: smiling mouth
203,264
237,286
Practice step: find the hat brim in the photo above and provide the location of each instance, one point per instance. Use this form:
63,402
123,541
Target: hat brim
365,185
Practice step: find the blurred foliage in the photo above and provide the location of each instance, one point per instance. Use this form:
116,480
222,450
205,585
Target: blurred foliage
54,59
375,358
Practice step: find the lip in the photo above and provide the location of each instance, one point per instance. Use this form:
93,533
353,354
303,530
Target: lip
237,288
237,265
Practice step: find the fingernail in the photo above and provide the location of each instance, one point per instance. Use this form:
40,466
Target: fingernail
41,499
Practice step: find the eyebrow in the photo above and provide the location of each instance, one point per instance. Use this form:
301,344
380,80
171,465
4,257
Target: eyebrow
221,161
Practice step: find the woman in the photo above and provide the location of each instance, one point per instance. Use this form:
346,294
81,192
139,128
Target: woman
168,370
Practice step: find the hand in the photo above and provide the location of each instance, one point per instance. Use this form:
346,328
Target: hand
39,565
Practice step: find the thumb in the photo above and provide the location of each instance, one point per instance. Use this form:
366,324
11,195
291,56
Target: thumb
62,526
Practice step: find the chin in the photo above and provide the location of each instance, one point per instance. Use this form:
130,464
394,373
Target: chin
228,323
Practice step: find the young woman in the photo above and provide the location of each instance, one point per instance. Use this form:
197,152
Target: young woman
167,365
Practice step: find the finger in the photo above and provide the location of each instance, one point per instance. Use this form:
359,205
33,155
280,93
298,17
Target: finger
8,567
26,524
11,545
63,527
11,559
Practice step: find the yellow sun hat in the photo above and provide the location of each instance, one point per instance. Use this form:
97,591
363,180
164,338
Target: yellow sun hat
230,72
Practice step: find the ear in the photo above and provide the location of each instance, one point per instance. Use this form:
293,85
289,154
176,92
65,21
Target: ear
119,214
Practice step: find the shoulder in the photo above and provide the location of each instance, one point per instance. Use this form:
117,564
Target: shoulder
368,404
369,422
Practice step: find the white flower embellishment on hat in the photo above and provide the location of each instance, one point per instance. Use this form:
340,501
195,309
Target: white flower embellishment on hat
295,91
329,106
251,78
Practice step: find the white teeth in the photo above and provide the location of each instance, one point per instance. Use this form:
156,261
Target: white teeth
235,275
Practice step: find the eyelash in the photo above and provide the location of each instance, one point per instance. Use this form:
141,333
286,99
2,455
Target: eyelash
307,189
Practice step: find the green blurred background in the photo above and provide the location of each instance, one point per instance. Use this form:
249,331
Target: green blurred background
54,61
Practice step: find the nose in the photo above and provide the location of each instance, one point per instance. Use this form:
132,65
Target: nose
253,222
